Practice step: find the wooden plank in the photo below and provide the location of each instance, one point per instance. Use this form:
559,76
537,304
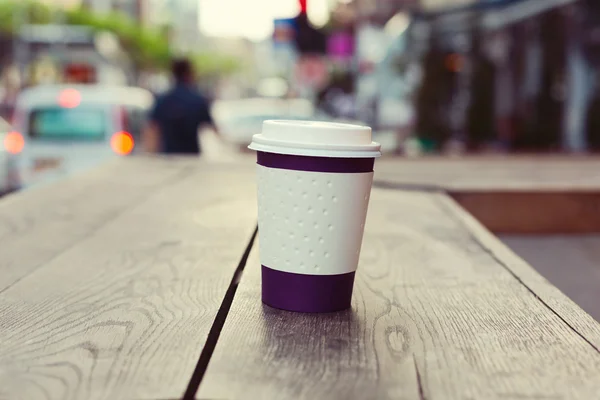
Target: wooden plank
439,312
510,194
537,212
572,263
125,313
38,224
265,353
494,173
573,315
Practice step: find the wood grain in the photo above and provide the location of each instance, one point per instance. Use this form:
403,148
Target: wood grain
125,313
38,224
440,311
547,293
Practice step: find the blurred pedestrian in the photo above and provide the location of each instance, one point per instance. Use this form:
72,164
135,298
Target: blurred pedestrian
178,114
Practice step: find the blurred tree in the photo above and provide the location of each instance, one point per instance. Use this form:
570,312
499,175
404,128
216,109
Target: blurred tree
148,47
210,64
33,12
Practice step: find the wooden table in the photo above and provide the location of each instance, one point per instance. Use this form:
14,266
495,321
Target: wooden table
140,280
516,194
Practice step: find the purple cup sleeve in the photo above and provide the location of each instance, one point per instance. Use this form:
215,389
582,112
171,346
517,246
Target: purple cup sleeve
306,293
315,164
302,292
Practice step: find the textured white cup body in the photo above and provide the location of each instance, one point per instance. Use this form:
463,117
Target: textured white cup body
314,184
311,222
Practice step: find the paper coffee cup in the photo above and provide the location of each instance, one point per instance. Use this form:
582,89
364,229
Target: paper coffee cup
314,184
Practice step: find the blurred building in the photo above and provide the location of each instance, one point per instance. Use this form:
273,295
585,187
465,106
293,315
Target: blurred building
62,3
516,73
380,11
53,53
135,9
184,26
381,91
180,16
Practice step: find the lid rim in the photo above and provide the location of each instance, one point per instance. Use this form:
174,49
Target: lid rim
328,153
307,124
261,139
316,138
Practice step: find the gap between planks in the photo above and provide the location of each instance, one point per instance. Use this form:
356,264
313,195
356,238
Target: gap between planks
224,309
506,267
419,381
299,346
217,326
436,189
242,241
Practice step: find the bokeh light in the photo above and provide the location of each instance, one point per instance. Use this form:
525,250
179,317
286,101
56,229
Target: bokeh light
122,143
14,142
69,98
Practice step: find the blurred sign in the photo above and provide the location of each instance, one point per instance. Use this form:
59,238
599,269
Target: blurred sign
303,6
435,5
42,71
299,32
284,31
80,73
340,45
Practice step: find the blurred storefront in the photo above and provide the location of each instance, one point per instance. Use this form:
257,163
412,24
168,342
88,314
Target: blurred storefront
506,74
134,9
54,53
68,53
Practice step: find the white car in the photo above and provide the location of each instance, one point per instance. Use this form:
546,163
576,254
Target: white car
238,120
65,129
9,176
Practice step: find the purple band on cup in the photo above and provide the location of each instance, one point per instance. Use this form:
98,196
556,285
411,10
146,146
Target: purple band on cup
315,164
306,293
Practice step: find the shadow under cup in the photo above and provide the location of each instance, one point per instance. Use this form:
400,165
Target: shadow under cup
296,287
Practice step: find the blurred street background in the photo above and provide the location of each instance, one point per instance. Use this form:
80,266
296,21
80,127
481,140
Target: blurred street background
79,79
430,76
449,76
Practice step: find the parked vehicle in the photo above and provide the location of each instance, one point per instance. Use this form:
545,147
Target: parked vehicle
238,120
9,149
65,129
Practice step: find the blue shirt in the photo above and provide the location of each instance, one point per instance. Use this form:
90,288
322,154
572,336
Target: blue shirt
178,114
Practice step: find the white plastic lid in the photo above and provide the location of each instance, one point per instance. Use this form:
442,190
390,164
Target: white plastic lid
316,138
